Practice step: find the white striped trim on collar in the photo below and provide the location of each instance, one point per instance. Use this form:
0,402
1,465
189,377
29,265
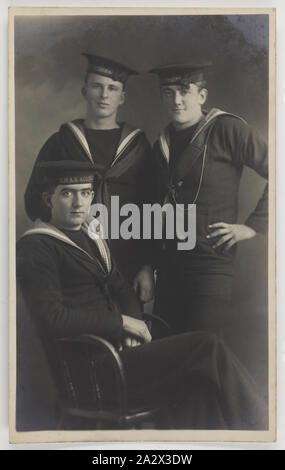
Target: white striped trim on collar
81,137
103,249
125,142
83,141
42,228
209,117
164,146
215,112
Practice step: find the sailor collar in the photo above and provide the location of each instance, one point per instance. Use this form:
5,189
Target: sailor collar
128,135
44,228
208,118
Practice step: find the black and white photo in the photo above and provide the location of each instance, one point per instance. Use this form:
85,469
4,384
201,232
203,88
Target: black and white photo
142,177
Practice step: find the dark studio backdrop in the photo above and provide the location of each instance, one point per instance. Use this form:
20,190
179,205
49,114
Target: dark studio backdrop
49,72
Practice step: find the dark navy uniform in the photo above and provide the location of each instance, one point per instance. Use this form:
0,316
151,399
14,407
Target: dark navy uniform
124,167
71,288
203,165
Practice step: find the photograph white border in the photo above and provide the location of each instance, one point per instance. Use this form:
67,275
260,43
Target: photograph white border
188,435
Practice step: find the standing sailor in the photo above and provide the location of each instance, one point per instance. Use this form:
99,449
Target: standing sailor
200,159
121,154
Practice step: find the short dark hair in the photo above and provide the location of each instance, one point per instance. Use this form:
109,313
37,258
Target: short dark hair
185,83
45,211
201,84
90,71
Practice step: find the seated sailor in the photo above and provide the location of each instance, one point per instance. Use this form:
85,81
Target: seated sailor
71,286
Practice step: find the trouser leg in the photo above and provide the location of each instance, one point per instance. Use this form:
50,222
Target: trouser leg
191,301
168,298
194,370
186,312
200,409
207,313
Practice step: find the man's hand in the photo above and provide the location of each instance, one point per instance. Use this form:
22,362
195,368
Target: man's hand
229,234
144,284
89,219
136,328
130,342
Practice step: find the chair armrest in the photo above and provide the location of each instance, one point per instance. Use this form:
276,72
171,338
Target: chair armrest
98,345
97,340
160,326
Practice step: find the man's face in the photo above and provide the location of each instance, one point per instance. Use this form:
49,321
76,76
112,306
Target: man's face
183,103
69,205
103,95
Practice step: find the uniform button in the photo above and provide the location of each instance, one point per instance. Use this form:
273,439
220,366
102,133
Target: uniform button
180,183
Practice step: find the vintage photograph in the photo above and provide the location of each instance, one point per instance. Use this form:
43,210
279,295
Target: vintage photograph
142,222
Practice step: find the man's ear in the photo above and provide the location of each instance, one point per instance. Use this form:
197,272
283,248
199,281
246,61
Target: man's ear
83,91
203,95
123,97
46,197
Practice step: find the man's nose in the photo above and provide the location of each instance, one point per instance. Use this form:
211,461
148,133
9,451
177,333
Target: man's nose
177,97
104,92
77,200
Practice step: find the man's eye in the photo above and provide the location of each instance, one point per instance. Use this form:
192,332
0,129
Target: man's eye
167,93
66,193
86,193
